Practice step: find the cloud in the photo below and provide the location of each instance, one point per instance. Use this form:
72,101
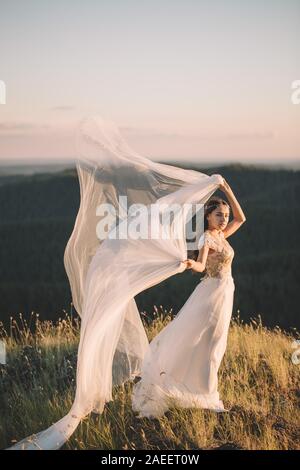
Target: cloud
138,132
21,126
250,135
214,136
63,108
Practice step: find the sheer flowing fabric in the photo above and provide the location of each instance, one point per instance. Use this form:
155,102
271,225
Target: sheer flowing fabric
105,274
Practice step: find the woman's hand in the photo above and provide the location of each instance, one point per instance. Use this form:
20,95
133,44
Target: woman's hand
189,263
224,186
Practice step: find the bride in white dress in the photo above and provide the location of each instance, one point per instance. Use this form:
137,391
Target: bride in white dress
182,362
106,273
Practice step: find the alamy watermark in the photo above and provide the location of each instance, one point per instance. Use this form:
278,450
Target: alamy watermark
2,92
295,96
155,221
296,354
2,352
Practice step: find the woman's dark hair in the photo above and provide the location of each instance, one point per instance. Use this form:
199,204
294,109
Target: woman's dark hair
209,207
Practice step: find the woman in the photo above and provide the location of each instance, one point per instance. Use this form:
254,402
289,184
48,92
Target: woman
182,362
107,272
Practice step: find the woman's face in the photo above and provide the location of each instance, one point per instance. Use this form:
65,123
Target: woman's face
218,218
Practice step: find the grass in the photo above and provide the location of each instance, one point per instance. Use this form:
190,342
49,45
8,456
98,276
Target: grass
257,380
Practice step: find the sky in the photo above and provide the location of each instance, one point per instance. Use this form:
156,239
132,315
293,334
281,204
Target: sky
190,80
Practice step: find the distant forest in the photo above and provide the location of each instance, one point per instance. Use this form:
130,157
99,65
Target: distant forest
37,218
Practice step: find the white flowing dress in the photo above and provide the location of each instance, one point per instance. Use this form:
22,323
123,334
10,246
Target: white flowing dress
182,362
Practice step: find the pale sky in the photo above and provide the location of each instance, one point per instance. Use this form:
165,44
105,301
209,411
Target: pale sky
184,80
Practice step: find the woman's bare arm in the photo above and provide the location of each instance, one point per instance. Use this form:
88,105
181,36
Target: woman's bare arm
199,265
238,215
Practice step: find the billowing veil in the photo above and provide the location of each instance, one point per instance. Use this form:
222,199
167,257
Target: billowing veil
108,264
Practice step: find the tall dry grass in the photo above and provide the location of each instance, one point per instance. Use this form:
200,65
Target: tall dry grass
257,380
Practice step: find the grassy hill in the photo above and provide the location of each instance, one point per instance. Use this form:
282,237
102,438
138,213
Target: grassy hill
257,380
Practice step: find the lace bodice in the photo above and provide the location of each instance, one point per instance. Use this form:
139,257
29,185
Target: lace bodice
219,260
